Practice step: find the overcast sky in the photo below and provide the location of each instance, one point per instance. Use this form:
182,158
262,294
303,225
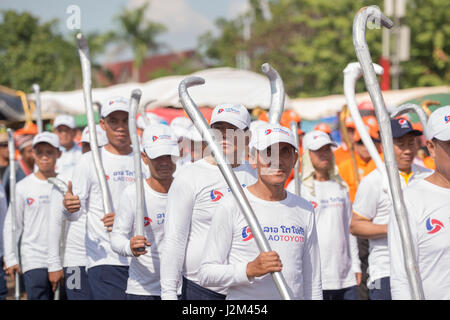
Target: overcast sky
185,19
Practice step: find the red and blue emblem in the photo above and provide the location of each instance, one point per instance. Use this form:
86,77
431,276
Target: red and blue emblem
30,201
147,221
434,225
447,119
216,195
247,234
268,131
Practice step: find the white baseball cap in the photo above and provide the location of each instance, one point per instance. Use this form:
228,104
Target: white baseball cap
438,124
267,134
115,104
46,137
316,139
181,126
102,140
236,114
159,140
154,119
64,120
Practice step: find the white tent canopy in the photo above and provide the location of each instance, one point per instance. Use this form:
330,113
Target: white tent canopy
322,107
222,85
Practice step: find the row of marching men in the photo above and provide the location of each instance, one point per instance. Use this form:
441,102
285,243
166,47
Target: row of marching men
196,242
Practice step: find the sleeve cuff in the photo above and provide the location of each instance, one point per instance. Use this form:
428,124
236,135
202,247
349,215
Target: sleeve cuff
241,274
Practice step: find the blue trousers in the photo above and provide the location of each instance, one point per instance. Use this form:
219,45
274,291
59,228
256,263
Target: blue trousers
76,283
37,285
380,289
192,291
350,293
108,282
139,297
3,288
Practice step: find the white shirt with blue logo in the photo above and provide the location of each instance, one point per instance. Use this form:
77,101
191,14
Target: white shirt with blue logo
32,212
74,234
144,271
373,202
339,248
289,227
68,159
429,220
3,210
196,193
119,172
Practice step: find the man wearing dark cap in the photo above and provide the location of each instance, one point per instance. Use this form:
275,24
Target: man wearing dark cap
373,205
25,164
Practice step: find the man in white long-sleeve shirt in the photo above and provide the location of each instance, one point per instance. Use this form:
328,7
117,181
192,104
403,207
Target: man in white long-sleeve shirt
160,146
231,257
32,210
74,256
64,128
373,206
427,203
3,209
196,193
107,270
328,192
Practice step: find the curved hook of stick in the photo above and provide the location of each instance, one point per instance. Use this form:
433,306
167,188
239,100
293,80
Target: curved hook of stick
297,183
277,93
83,51
37,99
202,126
143,111
352,73
134,105
349,143
411,107
426,103
59,184
370,78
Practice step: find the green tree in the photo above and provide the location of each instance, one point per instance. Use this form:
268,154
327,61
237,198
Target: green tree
31,52
34,52
429,63
309,42
138,34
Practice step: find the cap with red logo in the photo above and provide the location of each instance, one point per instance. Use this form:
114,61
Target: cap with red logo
46,137
101,136
160,140
115,104
439,124
235,114
64,120
265,135
316,139
401,127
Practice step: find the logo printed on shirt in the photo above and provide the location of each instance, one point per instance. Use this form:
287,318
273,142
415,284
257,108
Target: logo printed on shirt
106,177
220,110
154,138
247,233
147,221
314,204
216,195
268,131
434,225
30,201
